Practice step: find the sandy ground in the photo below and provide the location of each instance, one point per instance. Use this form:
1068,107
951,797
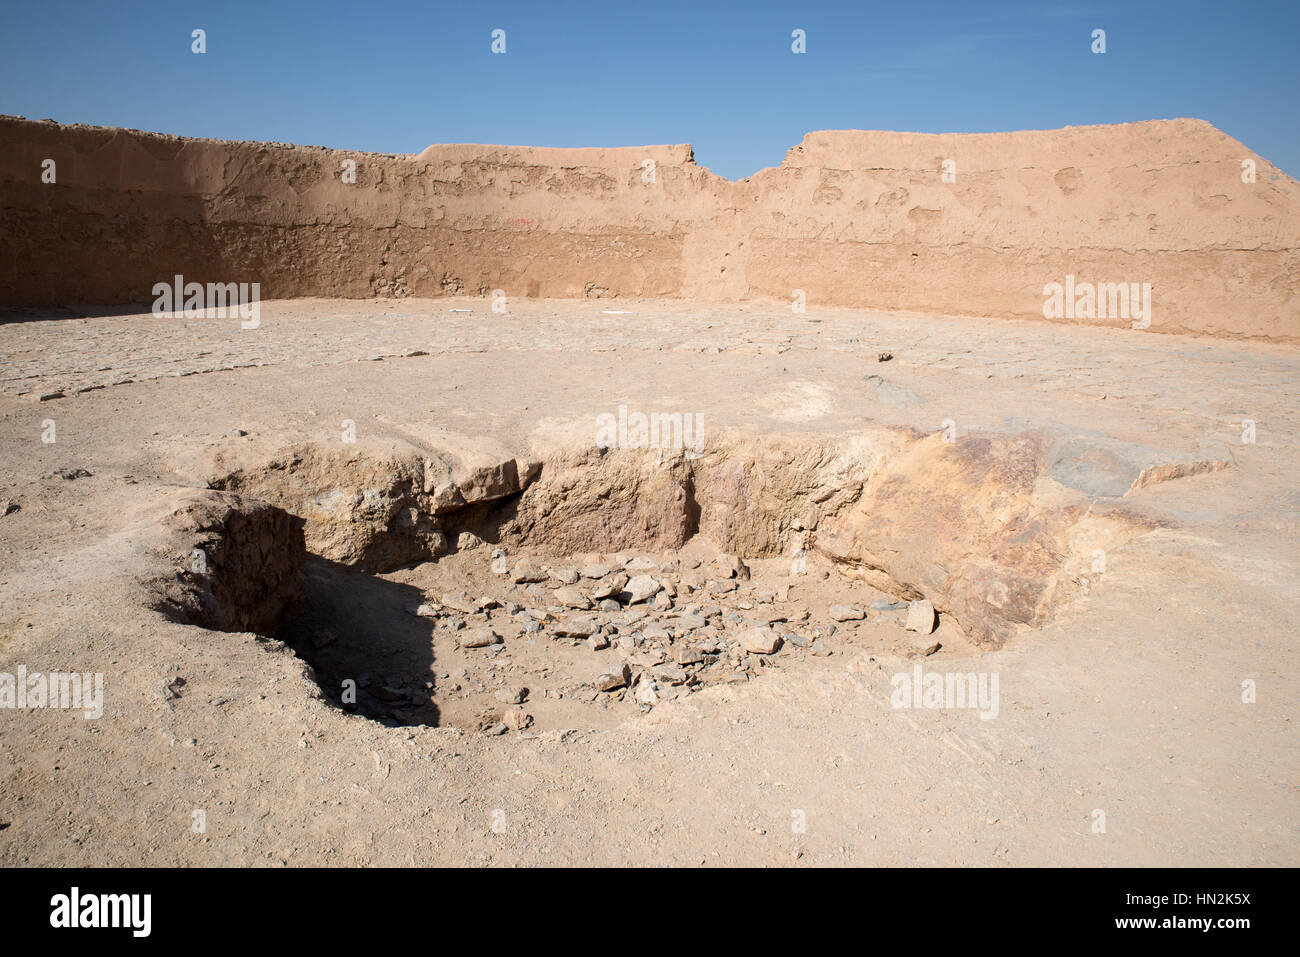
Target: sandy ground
1129,703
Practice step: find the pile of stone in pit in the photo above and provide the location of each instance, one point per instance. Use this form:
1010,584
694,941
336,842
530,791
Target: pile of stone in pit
669,627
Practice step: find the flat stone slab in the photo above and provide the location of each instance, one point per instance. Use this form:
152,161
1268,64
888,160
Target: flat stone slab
1107,467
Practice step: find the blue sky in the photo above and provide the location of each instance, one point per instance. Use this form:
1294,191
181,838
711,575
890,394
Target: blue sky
394,77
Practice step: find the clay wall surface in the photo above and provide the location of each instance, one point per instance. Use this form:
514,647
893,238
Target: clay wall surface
860,219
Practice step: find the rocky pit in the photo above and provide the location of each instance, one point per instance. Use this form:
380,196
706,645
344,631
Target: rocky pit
497,596
545,642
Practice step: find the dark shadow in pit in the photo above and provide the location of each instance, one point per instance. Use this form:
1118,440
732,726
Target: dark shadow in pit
492,522
372,655
693,510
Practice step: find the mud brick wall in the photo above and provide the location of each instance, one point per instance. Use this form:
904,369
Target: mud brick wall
851,218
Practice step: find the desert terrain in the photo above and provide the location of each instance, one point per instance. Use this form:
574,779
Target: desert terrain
393,574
